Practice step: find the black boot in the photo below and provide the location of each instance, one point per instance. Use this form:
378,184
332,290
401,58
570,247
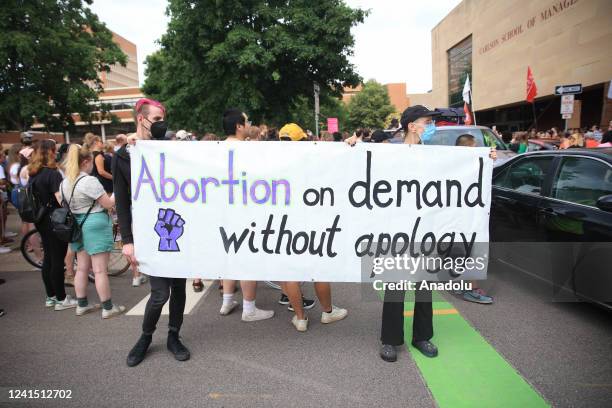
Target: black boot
176,347
137,353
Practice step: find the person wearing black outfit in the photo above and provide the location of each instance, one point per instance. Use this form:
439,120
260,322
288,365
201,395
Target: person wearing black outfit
102,163
45,180
149,115
416,122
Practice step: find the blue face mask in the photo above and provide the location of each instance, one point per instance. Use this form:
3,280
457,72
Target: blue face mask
428,133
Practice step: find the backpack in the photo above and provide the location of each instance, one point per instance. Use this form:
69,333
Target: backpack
63,223
30,208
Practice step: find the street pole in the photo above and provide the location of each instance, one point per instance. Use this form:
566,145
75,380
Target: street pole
316,100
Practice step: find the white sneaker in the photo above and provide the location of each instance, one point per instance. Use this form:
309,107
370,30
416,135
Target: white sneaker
4,250
256,315
139,281
67,303
10,234
227,309
333,316
300,325
50,301
115,311
80,311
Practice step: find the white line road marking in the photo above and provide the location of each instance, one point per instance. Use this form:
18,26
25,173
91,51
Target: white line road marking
192,299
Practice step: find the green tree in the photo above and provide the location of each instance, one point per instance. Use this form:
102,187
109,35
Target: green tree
51,53
330,107
370,107
260,55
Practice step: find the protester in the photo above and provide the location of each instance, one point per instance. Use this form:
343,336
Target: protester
120,141
45,180
292,292
574,141
380,136
394,125
519,143
326,136
476,294
182,135
149,117
606,140
87,200
208,137
235,127
5,187
101,169
418,125
252,133
26,139
273,134
62,154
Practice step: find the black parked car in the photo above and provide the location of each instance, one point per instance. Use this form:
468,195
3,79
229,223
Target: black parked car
553,212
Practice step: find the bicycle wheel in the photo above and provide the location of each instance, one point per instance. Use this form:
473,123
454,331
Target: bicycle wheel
32,249
117,263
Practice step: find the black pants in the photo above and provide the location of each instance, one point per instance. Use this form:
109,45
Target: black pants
163,289
393,317
53,260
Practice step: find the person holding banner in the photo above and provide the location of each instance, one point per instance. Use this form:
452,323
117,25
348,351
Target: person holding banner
417,122
235,126
149,116
331,313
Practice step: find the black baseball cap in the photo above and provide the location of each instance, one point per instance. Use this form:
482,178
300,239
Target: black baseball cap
414,112
380,136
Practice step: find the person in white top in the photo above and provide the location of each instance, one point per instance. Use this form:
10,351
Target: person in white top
89,203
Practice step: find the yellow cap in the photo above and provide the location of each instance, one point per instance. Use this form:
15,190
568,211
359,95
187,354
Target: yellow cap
292,131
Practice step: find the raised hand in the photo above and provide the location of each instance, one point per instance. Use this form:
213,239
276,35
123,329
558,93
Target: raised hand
169,227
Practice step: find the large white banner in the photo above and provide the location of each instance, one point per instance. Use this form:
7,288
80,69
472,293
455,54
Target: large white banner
305,211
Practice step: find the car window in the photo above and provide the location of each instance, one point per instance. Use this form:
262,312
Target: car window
445,136
493,141
582,180
534,147
448,136
525,176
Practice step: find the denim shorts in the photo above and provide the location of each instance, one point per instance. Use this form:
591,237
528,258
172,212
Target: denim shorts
96,234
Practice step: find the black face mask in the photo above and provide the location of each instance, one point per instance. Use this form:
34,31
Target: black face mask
158,130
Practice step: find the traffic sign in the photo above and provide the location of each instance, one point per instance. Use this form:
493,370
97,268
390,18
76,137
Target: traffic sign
568,89
566,116
567,104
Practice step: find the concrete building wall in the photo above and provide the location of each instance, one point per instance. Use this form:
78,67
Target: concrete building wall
563,41
397,95
424,99
123,76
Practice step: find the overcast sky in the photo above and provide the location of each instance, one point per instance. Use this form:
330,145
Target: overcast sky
393,29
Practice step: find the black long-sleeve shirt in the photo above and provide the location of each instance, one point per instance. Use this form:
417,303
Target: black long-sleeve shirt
122,186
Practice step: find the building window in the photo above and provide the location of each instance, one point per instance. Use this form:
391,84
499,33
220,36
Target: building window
459,66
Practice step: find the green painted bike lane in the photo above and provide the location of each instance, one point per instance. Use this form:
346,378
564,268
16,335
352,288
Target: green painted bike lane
468,371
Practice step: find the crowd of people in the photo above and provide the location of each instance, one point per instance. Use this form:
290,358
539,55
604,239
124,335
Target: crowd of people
570,139
93,180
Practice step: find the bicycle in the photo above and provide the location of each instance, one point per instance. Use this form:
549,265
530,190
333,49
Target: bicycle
33,252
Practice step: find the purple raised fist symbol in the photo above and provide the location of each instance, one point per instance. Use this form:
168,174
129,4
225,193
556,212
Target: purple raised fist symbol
169,227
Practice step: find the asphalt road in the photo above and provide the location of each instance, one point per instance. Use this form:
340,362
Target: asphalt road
563,350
